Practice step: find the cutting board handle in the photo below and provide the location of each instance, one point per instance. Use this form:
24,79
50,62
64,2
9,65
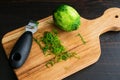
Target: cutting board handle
109,21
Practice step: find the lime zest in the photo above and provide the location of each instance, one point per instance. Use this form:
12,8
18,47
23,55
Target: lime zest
82,39
52,46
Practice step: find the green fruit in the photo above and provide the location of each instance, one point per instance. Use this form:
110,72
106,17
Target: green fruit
66,18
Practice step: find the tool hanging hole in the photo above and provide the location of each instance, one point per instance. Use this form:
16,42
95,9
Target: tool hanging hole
116,16
16,57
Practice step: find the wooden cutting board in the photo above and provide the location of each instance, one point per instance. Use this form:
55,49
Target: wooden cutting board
34,67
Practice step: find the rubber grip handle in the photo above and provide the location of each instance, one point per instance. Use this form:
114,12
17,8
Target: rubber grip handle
21,50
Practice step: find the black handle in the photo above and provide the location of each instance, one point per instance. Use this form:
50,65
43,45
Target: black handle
21,50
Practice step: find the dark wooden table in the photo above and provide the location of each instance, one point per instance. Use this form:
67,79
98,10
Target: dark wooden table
14,14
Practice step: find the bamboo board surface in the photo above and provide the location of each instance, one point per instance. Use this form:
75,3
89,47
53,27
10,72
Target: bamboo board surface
34,68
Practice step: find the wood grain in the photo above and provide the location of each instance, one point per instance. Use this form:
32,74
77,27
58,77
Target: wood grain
34,67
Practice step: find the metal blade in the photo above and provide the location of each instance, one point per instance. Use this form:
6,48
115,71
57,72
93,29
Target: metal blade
32,26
